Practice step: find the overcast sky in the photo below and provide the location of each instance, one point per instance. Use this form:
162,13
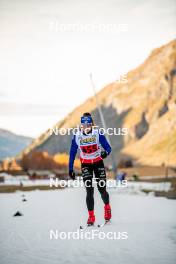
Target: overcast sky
48,48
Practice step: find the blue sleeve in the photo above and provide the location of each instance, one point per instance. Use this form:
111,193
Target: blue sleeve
104,143
73,151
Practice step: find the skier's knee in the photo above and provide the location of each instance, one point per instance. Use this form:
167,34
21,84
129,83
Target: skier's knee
102,190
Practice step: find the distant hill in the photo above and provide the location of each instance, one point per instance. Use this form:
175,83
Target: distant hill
11,144
146,105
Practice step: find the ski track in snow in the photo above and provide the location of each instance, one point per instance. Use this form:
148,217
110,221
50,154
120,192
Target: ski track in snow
150,223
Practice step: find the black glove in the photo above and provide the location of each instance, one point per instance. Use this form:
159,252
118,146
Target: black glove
104,154
72,174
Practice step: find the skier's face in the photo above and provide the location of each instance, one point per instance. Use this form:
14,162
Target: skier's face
86,128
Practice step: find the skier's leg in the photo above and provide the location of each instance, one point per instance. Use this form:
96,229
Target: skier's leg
100,175
90,193
87,174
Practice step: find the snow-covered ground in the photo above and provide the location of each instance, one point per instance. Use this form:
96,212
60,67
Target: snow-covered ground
150,223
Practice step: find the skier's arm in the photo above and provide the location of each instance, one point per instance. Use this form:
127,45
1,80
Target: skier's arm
104,143
73,151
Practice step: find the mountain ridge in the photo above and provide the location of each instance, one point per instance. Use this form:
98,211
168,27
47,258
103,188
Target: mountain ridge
11,144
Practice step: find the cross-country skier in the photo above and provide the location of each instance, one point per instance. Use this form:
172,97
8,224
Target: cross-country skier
89,142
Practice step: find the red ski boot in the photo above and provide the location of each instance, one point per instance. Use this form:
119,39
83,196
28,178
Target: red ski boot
107,212
91,219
